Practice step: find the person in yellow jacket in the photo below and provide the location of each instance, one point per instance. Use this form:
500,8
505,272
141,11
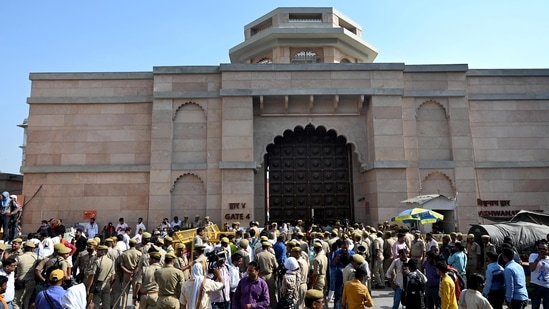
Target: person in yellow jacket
447,289
355,293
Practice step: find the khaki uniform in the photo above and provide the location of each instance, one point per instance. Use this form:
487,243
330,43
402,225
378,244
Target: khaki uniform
473,255
377,258
267,267
489,247
103,271
26,263
148,291
304,272
245,259
320,267
169,280
116,289
182,261
129,259
56,260
84,263
9,253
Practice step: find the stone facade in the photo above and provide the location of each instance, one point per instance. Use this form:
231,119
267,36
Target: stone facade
191,140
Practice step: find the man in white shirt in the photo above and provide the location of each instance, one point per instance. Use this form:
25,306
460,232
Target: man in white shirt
121,227
140,226
175,222
91,229
8,270
396,279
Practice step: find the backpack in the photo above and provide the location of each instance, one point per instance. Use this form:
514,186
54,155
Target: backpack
415,283
459,283
47,271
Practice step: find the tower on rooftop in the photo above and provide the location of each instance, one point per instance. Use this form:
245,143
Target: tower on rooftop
303,35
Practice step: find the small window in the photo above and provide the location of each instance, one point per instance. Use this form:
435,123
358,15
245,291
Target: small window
265,61
344,60
306,56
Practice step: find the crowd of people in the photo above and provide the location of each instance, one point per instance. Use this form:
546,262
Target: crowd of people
294,265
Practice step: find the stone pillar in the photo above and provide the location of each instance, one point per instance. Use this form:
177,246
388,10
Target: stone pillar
237,165
161,158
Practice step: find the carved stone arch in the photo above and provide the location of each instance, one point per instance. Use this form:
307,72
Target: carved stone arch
438,174
437,103
187,174
187,103
268,139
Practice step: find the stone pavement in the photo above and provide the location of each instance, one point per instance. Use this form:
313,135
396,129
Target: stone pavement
383,299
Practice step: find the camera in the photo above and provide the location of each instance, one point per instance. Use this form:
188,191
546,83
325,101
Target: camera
216,258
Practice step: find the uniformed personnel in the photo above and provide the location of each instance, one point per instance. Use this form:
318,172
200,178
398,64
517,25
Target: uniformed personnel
169,280
26,263
128,262
146,288
99,286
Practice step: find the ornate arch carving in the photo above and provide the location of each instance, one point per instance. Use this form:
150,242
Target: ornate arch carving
452,185
185,174
187,103
446,113
280,133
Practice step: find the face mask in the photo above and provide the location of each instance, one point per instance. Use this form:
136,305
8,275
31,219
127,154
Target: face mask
89,250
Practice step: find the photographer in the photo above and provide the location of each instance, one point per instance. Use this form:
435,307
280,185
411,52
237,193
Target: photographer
195,291
220,299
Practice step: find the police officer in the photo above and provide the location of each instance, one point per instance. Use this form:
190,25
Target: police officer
127,263
169,280
146,288
102,276
84,260
26,263
181,261
15,249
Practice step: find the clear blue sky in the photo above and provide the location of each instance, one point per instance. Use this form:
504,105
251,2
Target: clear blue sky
122,35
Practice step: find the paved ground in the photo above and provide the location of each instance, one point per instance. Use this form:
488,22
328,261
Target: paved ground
383,299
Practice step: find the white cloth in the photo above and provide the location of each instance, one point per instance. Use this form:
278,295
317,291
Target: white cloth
197,274
75,297
10,291
45,248
140,226
540,275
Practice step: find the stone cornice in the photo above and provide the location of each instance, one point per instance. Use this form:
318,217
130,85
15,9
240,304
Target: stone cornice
89,100
116,168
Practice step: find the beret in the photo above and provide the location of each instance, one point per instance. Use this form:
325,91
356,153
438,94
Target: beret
264,238
170,255
58,246
64,250
314,294
471,236
317,244
358,258
107,240
102,247
244,243
91,242
30,244
179,245
155,255
146,235
19,240
485,236
133,241
225,240
266,243
296,249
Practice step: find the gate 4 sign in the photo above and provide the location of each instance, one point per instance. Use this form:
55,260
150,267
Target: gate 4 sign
237,215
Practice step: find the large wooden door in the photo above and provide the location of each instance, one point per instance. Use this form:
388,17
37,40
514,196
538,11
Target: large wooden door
309,177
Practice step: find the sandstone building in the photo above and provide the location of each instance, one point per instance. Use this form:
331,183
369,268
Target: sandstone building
301,124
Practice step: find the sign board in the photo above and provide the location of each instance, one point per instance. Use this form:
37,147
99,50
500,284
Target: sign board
88,214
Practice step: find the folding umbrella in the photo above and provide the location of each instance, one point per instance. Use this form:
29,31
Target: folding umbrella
419,215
